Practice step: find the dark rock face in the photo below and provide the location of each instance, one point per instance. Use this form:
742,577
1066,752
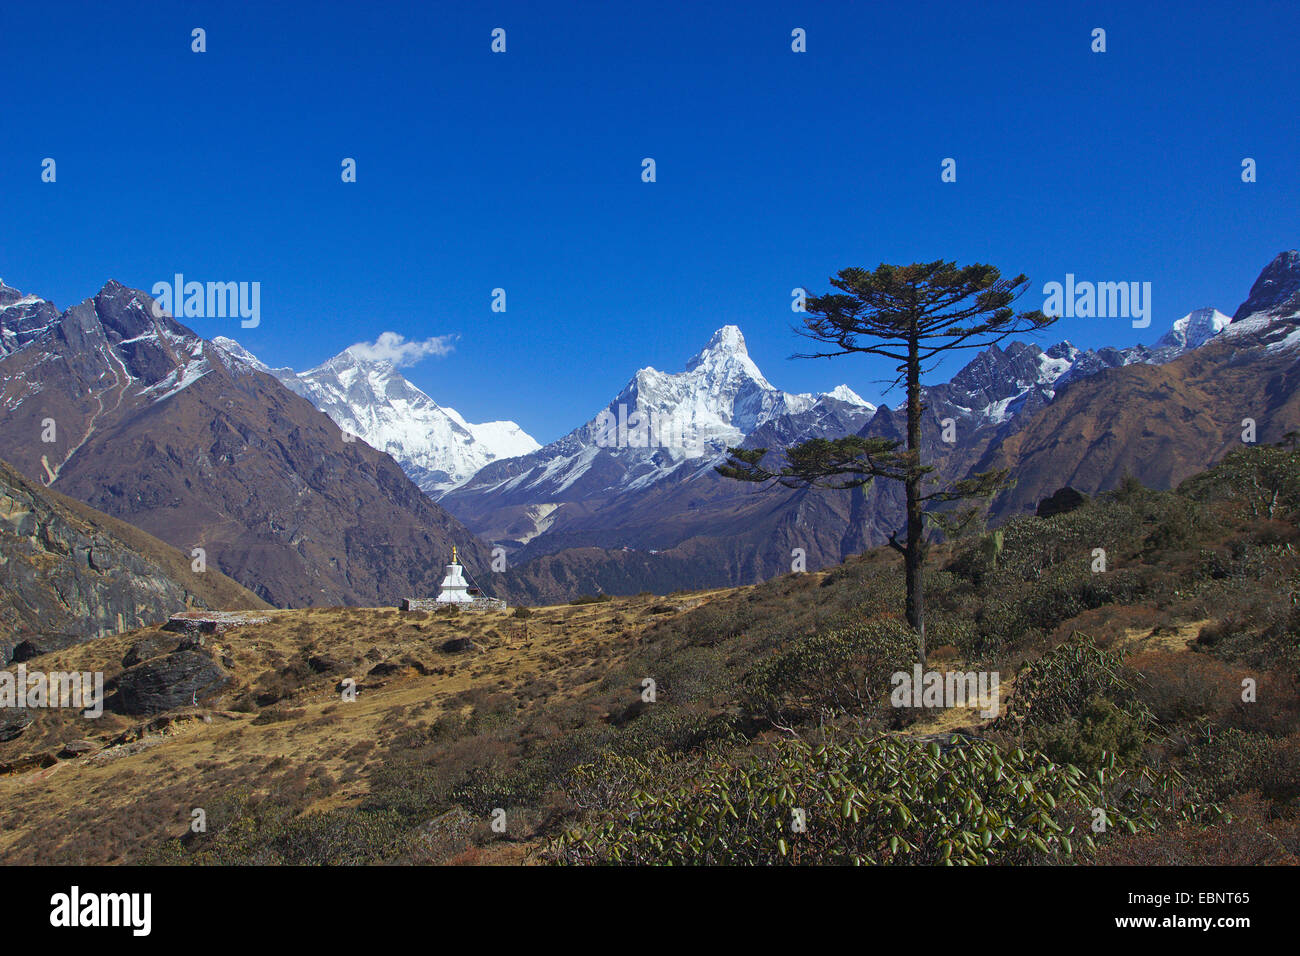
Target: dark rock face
1277,290
69,574
64,576
174,680
1062,501
26,318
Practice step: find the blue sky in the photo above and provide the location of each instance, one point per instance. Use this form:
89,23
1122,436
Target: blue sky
523,170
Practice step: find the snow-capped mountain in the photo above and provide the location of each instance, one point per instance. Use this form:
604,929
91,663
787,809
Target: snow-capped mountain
719,399
663,426
1002,382
651,451
1193,330
663,421
371,399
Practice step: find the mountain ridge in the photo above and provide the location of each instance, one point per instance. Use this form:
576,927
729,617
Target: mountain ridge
605,508
158,427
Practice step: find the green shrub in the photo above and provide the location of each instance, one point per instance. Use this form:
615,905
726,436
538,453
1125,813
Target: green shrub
1101,730
1063,683
1234,761
870,800
1262,482
839,672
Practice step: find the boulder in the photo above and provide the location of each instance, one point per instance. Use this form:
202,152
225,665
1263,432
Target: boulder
192,642
324,664
1062,501
174,680
43,644
143,650
13,723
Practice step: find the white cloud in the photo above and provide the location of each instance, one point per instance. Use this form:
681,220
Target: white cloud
391,347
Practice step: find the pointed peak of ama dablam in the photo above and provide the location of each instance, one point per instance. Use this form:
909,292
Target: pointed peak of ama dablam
725,358
724,343
729,338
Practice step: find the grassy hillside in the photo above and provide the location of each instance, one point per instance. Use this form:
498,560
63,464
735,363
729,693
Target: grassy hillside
1121,699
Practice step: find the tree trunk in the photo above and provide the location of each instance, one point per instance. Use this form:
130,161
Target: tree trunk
914,556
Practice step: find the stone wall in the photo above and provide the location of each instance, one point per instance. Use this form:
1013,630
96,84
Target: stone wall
477,605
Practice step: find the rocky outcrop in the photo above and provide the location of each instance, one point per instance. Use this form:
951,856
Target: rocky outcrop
173,680
144,650
1277,290
13,722
31,647
68,575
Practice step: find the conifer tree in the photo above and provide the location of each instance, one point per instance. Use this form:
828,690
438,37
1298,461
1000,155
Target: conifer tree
911,315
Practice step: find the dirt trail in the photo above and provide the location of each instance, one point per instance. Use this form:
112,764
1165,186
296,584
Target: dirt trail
1174,637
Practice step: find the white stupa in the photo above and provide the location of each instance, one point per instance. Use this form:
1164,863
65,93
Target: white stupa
454,590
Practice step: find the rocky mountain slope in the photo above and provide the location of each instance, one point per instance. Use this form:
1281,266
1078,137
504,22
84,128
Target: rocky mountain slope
1162,423
141,418
69,573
